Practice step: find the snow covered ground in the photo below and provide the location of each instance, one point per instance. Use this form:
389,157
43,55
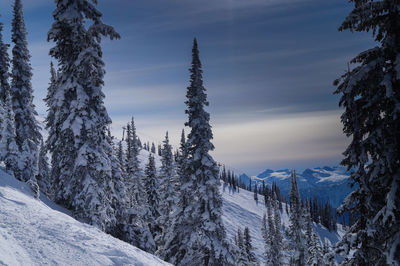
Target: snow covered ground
38,232
241,210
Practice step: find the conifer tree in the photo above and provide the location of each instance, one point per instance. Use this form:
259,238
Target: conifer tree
8,147
28,136
4,68
277,237
199,237
248,247
315,252
295,232
43,178
79,145
168,188
153,148
370,95
241,256
255,193
151,187
116,190
137,231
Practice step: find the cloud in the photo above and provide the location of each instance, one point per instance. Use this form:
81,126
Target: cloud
280,140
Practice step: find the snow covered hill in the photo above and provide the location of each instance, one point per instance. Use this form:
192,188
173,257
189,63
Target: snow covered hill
241,210
330,184
38,232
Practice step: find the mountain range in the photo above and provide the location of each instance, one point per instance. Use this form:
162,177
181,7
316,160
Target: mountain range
328,184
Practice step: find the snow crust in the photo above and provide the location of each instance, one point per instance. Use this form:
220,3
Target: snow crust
39,232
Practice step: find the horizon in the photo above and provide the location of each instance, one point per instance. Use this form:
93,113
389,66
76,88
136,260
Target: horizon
268,70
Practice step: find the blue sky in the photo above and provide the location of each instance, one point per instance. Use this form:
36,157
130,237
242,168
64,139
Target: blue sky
268,69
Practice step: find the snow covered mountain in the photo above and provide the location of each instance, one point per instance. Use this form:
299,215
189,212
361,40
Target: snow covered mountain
241,210
330,184
39,232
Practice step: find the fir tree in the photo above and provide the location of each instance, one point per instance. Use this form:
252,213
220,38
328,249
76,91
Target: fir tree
241,259
200,237
315,252
370,95
248,247
78,144
277,237
43,178
151,187
168,188
153,148
255,193
28,136
4,68
137,231
295,232
8,145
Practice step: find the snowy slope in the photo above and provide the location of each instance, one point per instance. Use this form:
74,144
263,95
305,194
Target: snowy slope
38,232
241,210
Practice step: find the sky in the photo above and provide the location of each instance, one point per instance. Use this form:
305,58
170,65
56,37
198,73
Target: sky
268,69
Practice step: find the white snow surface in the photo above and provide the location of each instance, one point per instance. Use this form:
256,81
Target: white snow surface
241,210
39,232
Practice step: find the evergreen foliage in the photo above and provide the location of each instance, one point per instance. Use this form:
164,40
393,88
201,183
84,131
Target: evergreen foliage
198,236
78,143
27,129
370,95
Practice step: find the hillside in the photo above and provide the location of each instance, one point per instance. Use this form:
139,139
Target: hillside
240,209
38,232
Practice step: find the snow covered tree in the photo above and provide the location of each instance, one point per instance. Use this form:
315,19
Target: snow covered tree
151,187
198,236
137,231
78,141
255,192
8,148
295,232
153,148
43,178
315,252
116,189
248,247
277,237
370,95
4,67
26,127
168,188
8,145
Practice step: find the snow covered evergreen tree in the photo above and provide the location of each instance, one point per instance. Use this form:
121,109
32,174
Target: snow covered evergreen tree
8,148
43,178
197,236
241,259
151,187
168,190
28,136
136,229
248,247
277,238
295,232
370,95
8,145
4,68
78,144
315,252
